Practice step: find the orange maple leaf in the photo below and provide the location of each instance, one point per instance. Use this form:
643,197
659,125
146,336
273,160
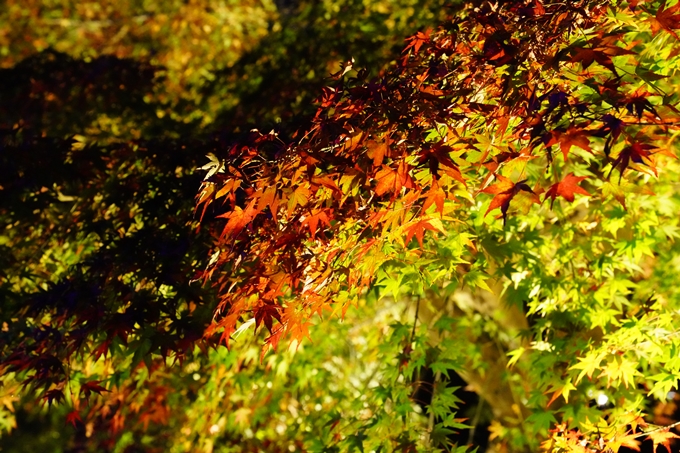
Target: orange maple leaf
663,437
505,190
390,180
238,219
566,189
317,216
435,196
417,40
629,441
572,137
668,19
377,151
418,229
387,179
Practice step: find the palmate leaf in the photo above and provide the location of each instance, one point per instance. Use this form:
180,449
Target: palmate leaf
567,188
572,137
238,219
90,387
662,437
667,19
638,153
390,180
505,190
74,418
629,441
417,228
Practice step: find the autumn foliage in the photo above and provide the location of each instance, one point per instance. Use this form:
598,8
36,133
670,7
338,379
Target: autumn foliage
468,109
508,185
508,106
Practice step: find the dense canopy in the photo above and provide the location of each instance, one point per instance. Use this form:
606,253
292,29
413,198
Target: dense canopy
467,241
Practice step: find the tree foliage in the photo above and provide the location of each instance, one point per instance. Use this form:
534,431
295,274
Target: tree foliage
401,231
480,106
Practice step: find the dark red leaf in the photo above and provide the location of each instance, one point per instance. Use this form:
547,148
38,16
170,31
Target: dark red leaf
73,418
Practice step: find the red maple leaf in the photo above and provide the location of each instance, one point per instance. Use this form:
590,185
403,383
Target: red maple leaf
505,190
566,189
53,395
266,313
637,103
611,128
73,418
601,51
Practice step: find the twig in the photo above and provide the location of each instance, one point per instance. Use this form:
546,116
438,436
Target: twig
415,320
661,428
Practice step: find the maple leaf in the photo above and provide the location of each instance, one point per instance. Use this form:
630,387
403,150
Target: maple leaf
638,153
299,197
572,137
272,341
238,219
620,370
435,196
390,180
267,199
318,216
416,41
562,391
668,19
587,56
587,365
266,313
611,128
439,157
418,229
602,51
584,56
386,178
53,395
566,189
92,386
505,190
648,75
102,349
377,151
662,437
73,418
629,441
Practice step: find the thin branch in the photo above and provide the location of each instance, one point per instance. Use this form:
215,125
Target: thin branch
415,320
661,428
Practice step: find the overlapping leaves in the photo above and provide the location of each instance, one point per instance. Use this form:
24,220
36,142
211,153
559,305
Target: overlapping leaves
484,97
